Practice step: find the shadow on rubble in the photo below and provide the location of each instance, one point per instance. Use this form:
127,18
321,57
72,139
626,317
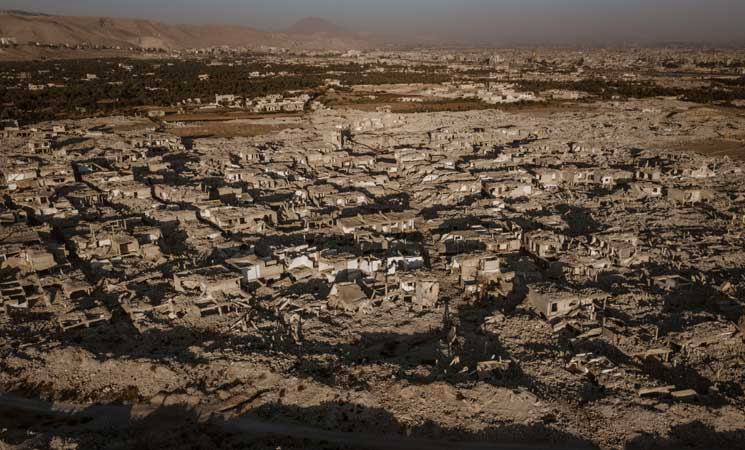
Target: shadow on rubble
464,203
400,201
180,162
484,344
334,365
450,353
329,425
696,298
677,372
181,344
167,427
679,294
680,375
459,223
76,141
691,435
580,220
359,426
676,310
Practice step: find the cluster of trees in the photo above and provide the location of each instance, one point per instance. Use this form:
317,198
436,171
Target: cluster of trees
393,77
132,84
608,89
730,64
122,85
730,81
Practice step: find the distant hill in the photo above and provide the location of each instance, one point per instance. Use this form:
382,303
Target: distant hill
18,12
26,27
316,26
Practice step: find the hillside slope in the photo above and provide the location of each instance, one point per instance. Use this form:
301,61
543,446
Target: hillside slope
316,26
48,29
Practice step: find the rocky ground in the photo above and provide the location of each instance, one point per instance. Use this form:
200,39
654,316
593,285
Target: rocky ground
390,372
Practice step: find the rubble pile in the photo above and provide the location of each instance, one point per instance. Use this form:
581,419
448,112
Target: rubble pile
482,273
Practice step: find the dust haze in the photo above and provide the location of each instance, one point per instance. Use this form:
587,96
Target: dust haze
469,22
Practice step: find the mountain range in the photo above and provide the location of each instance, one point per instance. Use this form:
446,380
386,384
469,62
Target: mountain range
312,33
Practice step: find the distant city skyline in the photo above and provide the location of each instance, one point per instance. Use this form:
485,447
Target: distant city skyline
470,21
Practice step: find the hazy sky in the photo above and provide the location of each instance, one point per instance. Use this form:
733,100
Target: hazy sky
495,21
